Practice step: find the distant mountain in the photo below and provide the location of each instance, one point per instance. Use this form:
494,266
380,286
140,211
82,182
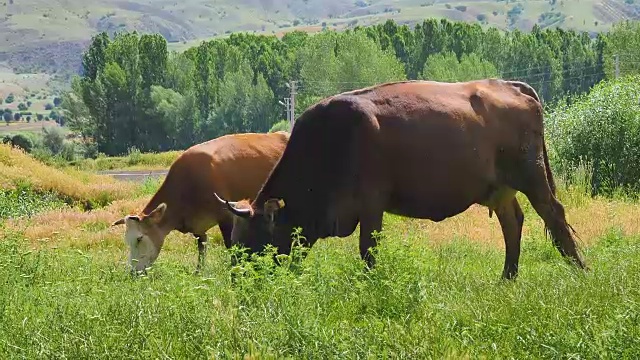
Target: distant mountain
49,35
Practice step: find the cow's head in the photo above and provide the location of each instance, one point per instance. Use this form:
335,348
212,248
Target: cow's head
256,227
144,237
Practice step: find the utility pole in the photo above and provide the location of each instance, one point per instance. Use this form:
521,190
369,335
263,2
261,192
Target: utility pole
287,106
292,104
617,62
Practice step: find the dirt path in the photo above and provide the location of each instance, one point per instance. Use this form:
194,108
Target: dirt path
134,175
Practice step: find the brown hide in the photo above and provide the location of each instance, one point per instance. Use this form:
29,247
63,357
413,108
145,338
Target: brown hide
420,149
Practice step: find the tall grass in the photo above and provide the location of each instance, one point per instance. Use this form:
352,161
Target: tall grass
418,302
435,292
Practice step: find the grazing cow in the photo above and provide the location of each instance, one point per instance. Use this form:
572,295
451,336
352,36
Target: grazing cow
234,165
419,149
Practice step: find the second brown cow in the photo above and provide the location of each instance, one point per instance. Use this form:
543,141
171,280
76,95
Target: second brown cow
234,165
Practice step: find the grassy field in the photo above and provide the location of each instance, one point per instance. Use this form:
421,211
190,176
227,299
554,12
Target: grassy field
27,87
436,291
23,126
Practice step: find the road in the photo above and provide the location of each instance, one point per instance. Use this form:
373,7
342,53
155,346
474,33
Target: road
134,175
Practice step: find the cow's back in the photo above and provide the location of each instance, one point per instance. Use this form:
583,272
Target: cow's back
236,165
444,142
439,143
233,165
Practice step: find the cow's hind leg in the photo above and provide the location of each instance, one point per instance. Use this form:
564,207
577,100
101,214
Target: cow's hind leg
552,212
538,190
511,219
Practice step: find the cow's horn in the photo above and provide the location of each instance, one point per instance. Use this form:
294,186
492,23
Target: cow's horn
225,202
245,213
232,207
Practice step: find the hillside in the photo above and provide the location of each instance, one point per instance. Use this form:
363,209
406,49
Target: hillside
49,36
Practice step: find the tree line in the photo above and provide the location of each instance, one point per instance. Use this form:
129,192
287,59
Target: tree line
133,92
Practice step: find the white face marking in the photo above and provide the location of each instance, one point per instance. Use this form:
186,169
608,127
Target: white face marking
142,251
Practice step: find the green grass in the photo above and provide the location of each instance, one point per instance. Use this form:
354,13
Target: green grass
24,201
418,303
435,293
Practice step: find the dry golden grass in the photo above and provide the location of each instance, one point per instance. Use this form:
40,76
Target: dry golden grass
72,228
17,167
76,229
590,221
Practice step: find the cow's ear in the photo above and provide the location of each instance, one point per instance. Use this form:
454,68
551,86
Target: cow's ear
157,213
271,206
118,222
124,219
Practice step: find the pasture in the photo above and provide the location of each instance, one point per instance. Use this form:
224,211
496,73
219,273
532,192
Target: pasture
435,292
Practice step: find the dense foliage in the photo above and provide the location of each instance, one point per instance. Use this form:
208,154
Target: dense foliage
602,130
133,92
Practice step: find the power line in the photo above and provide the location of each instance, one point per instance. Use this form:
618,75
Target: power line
560,72
554,73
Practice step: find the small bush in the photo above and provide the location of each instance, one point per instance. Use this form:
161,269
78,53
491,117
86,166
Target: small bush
600,129
10,98
48,106
134,157
22,107
53,139
22,142
68,151
89,150
282,125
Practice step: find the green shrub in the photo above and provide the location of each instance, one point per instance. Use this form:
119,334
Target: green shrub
53,139
600,129
282,125
22,142
134,157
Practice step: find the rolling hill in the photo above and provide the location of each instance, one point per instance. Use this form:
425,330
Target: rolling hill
49,35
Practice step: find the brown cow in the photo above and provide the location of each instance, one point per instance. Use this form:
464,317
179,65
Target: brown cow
420,149
234,165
